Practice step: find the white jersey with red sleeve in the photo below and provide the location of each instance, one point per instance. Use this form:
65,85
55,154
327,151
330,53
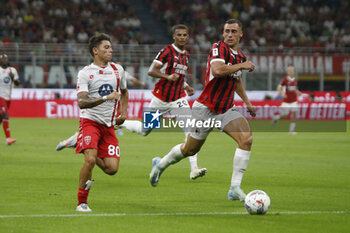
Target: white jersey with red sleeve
101,81
6,84
289,86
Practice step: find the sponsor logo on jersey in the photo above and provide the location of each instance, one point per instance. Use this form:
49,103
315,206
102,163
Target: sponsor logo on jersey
105,89
7,80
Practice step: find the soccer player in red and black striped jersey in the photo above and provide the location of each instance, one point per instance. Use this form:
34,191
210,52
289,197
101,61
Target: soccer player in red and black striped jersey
225,64
170,67
288,89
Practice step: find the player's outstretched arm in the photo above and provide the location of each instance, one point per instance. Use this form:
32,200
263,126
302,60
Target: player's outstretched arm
123,106
220,69
85,102
154,71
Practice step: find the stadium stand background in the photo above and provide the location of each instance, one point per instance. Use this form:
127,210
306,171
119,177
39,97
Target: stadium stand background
46,40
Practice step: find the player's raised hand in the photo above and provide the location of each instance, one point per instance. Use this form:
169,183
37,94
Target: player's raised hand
113,96
173,77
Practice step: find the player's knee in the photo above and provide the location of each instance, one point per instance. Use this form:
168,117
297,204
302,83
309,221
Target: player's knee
247,141
189,151
90,162
111,171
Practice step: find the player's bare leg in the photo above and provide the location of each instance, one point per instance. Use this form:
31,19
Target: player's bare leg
4,119
108,165
293,121
240,131
177,153
85,181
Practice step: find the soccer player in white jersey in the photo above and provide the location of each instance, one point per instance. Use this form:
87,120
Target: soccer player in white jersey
224,69
170,68
101,87
8,78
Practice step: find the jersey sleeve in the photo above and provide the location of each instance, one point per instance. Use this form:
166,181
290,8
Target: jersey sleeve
15,73
123,77
283,82
162,56
83,82
218,53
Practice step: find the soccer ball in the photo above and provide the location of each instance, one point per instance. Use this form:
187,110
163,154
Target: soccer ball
257,202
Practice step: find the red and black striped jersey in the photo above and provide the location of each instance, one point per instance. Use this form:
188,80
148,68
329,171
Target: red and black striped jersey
290,86
218,93
173,60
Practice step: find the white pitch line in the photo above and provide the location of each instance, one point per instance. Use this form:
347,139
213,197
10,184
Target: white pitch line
165,214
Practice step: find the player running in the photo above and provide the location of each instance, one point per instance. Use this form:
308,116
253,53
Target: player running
8,78
224,68
288,89
101,87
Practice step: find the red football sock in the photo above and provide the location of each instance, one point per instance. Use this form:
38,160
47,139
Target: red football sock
5,125
82,195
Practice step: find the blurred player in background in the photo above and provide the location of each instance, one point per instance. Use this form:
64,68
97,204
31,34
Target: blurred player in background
8,78
288,89
170,67
224,69
101,87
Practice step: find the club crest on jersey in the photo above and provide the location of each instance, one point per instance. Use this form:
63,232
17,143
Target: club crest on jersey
87,140
105,89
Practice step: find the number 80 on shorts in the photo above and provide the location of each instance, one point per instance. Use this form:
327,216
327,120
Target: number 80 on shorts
113,150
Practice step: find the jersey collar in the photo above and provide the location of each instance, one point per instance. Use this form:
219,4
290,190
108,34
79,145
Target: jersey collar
177,49
290,78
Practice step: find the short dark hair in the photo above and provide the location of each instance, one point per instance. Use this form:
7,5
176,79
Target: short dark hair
178,26
96,40
232,21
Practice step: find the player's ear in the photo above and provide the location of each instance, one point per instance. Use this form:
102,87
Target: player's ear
94,51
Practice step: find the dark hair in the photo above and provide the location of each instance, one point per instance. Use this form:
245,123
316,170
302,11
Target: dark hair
232,21
179,26
96,40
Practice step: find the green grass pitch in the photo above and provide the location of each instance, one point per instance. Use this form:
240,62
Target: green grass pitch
307,177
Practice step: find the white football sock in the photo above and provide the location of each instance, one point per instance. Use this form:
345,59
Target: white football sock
193,162
192,159
240,164
292,126
133,126
172,157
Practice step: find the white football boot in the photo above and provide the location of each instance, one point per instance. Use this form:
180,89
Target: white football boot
83,207
70,142
197,172
236,193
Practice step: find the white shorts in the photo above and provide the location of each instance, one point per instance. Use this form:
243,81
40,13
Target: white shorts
179,109
286,108
176,109
200,112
